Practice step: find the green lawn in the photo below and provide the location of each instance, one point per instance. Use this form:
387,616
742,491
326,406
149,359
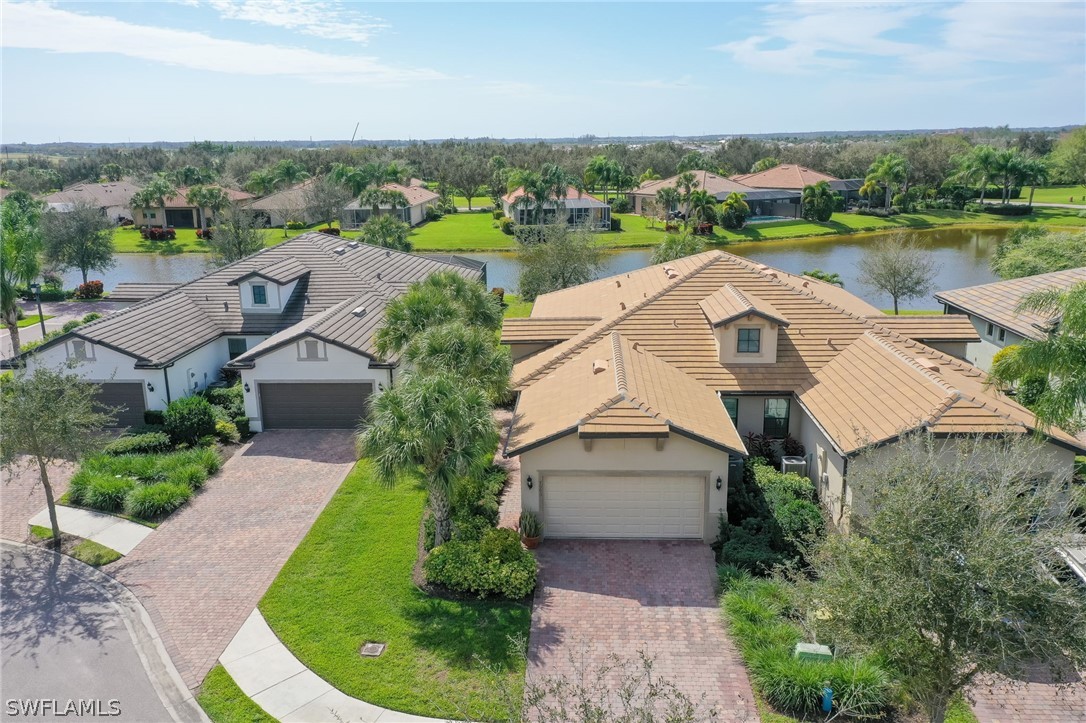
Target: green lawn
349,582
223,701
127,240
461,232
476,202
517,308
31,320
1056,194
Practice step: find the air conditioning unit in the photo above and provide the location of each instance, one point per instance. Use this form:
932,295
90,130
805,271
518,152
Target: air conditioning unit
794,464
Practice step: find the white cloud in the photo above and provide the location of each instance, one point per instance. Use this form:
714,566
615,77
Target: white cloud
39,26
329,20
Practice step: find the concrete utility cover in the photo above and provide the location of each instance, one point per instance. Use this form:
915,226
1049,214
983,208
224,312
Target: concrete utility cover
372,650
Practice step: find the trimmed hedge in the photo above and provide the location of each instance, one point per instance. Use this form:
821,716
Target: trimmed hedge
157,500
108,493
188,419
148,443
497,564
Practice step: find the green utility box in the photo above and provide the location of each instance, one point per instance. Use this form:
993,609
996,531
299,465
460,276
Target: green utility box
812,651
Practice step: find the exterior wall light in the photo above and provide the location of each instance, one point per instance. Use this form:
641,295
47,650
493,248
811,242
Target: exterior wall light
719,483
247,389
529,481
150,387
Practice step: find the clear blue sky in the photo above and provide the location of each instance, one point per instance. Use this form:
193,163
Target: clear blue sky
295,69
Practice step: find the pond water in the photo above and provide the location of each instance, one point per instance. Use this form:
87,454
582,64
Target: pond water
961,259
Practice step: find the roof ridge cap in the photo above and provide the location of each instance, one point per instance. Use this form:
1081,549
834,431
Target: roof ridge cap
610,325
600,409
621,382
912,363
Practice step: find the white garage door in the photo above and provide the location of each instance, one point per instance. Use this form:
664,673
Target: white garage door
635,507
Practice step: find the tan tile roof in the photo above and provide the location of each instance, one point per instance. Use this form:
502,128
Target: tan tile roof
571,192
115,193
998,302
414,194
786,175
936,327
527,330
288,198
728,303
663,313
707,181
613,387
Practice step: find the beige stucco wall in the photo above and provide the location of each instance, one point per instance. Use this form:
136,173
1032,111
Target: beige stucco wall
636,456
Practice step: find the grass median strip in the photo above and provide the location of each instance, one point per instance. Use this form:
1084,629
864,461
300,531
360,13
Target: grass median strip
223,701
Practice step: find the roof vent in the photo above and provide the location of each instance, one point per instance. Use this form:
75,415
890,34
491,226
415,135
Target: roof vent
387,254
618,283
226,306
378,275
599,365
930,364
805,284
622,305
359,311
636,345
339,250
352,244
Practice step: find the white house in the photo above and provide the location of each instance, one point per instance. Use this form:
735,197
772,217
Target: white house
419,199
295,321
276,209
636,393
993,311
579,209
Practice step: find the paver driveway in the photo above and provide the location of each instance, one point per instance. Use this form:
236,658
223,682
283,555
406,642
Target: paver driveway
203,570
607,596
1034,697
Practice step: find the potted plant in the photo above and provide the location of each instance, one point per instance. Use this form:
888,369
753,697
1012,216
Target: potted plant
531,529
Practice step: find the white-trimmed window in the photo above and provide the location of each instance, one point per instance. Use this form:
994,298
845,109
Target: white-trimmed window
260,295
1002,334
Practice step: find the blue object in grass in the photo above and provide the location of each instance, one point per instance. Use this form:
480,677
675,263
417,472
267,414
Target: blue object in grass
827,699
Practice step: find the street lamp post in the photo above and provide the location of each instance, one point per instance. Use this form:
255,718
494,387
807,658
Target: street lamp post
36,288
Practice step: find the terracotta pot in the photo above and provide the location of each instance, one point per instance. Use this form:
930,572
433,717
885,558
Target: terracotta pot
531,542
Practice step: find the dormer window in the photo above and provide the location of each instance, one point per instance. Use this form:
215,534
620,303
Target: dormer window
269,289
260,295
749,341
746,328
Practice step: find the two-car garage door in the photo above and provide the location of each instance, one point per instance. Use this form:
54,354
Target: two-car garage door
124,400
613,506
319,405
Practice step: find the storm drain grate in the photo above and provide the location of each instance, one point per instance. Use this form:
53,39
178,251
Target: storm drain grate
372,650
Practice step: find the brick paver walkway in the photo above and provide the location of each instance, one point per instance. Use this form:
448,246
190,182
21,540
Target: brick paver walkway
204,570
1034,698
509,509
22,497
601,597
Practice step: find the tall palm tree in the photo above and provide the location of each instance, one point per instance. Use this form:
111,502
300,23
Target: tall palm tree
702,206
536,194
648,175
155,193
433,421
1035,173
20,255
818,201
1009,168
288,172
466,352
686,183
261,182
976,166
207,198
1059,358
889,170
668,198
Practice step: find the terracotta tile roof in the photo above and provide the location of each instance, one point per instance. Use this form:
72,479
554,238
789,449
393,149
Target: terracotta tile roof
664,314
166,327
942,327
616,388
571,192
998,302
728,303
116,193
414,194
786,175
707,181
522,331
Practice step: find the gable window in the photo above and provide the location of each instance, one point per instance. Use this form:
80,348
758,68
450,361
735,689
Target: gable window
731,404
750,341
236,347
775,422
80,350
260,295
1003,335
991,330
310,350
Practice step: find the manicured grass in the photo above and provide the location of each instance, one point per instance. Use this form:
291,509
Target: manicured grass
42,533
31,320
461,232
95,554
349,582
223,701
477,202
516,308
1056,194
127,240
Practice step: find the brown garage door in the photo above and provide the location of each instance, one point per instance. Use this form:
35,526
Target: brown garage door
128,397
314,406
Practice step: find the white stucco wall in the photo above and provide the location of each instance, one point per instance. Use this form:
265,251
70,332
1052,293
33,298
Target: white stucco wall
639,456
106,365
284,365
980,354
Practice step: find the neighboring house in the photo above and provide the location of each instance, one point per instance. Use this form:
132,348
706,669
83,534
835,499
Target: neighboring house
579,209
792,177
114,198
762,202
295,321
419,199
636,393
286,205
993,310
179,212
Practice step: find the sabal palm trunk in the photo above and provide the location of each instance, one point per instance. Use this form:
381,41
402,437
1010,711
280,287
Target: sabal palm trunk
887,199
440,508
11,322
1031,190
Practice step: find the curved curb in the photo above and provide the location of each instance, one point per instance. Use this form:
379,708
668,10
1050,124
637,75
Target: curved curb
175,696
286,689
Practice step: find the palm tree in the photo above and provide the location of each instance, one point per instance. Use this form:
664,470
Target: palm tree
155,193
978,165
602,170
1009,167
818,202
261,182
288,172
536,193
433,421
686,183
648,175
734,211
468,353
207,198
351,177
868,189
377,197
20,255
668,198
1035,173
702,205
889,170
676,246
1059,358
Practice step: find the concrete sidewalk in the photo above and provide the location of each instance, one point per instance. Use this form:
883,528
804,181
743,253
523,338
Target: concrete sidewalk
114,532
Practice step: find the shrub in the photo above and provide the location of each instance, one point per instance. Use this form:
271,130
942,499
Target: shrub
616,224
507,225
792,447
295,225
880,212
728,576
242,424
498,214
1009,209
81,482
433,213
108,493
188,419
230,399
69,326
19,313
156,500
621,205
226,432
330,231
154,416
205,457
148,443
496,564
54,294
90,290
1030,389
530,525
750,552
192,476
93,316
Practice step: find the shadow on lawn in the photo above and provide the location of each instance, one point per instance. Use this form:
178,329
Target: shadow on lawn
460,630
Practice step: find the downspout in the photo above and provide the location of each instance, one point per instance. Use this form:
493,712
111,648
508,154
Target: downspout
166,378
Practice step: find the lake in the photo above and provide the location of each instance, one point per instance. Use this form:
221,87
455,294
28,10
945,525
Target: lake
961,259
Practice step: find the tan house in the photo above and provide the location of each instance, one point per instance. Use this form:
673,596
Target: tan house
578,208
179,212
793,177
762,202
113,198
636,392
993,311
276,209
419,199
